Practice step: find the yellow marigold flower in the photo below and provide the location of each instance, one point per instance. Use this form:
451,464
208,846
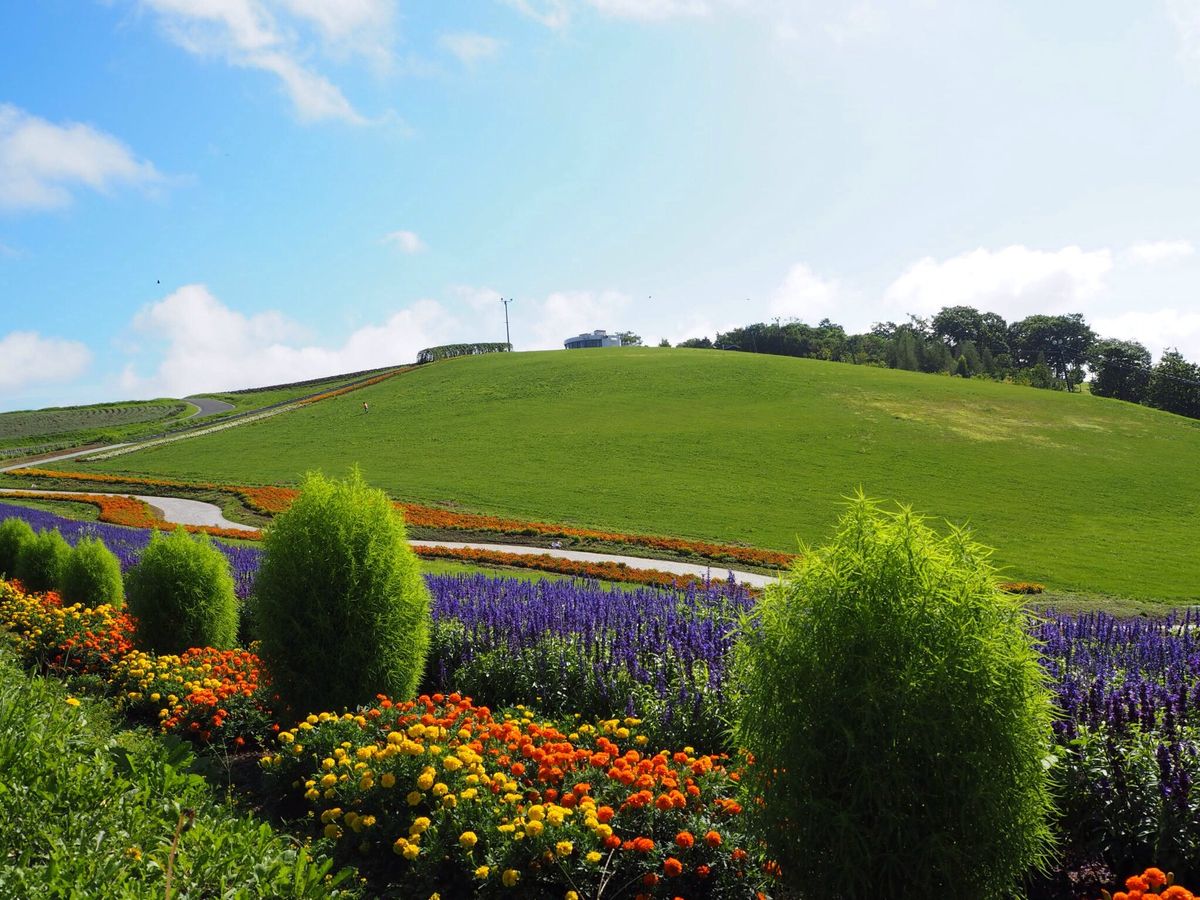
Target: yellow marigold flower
469,793
398,847
440,789
328,780
71,701
571,895
414,797
411,852
594,856
536,813
534,828
449,801
420,824
425,781
510,877
482,872
554,817
312,794
468,839
332,832
327,763
366,782
388,780
564,848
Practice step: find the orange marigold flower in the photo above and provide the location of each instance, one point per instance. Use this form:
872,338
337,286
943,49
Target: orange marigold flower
684,840
712,839
672,867
1155,877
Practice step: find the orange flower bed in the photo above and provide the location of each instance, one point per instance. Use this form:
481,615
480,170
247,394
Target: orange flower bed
272,500
132,513
354,387
543,562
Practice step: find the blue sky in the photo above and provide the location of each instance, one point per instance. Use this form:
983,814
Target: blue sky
208,194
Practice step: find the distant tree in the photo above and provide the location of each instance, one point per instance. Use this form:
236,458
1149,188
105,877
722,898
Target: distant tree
1063,343
1042,376
993,334
1175,385
961,369
957,324
935,355
629,339
904,352
1121,370
967,351
701,343
664,343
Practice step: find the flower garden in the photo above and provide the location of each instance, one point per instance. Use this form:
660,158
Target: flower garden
573,740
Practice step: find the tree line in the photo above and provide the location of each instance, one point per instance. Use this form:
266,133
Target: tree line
1051,352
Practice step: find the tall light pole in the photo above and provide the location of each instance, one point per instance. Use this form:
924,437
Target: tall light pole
507,337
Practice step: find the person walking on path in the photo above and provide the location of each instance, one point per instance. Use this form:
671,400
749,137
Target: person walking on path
365,407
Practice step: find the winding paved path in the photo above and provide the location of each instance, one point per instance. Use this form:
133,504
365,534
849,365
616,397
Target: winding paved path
207,406
196,512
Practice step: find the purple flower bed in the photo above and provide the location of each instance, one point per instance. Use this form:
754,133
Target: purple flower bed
128,543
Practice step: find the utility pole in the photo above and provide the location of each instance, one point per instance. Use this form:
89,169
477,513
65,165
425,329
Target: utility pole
507,337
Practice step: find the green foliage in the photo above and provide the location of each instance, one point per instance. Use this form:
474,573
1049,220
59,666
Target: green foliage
449,351
41,560
341,608
898,717
182,595
13,534
86,810
680,424
92,575
1122,370
1175,385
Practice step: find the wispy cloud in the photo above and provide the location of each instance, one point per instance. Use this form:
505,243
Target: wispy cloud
470,48
1154,252
405,241
206,345
551,13
279,38
27,358
42,164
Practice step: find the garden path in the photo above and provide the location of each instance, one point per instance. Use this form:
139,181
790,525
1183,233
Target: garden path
176,510
207,406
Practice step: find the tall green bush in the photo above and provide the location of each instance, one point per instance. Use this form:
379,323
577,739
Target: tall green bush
897,717
92,575
341,608
41,559
13,533
181,592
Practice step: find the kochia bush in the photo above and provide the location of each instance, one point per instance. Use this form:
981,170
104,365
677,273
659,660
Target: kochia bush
13,533
181,593
341,608
897,717
41,559
92,575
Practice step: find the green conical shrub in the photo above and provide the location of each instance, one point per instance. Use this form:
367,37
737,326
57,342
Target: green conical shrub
92,575
41,560
13,533
897,716
181,592
341,609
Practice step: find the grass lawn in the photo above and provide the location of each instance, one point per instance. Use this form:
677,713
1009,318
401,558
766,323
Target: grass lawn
1082,493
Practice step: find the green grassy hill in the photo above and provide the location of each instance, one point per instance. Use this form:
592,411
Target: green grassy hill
1077,491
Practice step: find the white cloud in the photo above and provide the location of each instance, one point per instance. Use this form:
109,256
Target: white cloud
248,34
1184,15
565,314
41,163
1153,252
470,48
27,358
209,347
1158,329
406,241
804,295
7,252
861,21
551,13
1014,282
650,9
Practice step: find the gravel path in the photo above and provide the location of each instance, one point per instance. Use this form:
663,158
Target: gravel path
197,512
174,510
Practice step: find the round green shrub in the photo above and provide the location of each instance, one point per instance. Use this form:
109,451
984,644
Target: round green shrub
41,559
897,717
13,533
92,575
341,608
181,592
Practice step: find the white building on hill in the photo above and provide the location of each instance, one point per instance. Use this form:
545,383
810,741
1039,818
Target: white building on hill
598,338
